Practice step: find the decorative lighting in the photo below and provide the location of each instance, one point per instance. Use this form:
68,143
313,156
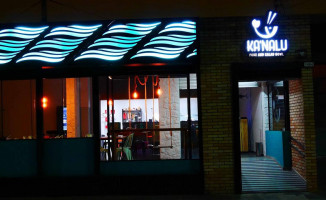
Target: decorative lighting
135,94
59,43
159,92
171,42
44,102
110,102
117,41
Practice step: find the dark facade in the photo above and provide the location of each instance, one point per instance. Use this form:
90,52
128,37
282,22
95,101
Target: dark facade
222,63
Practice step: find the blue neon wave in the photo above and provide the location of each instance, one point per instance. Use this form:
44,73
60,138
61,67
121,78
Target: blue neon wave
171,41
13,41
117,41
59,43
194,53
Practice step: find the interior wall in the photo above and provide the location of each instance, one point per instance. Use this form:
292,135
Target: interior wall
53,90
257,116
253,106
19,119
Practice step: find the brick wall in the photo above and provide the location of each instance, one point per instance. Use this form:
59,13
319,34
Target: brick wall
222,44
309,128
297,125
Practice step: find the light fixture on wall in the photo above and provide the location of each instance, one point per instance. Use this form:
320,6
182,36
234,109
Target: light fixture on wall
135,94
44,102
157,83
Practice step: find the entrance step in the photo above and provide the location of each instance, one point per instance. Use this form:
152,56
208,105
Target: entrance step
263,174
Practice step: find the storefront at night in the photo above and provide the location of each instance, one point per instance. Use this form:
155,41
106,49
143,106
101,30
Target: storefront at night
156,106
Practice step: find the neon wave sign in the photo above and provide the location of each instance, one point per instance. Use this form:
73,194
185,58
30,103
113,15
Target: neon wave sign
266,46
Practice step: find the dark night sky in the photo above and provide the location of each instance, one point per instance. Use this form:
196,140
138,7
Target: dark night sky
22,11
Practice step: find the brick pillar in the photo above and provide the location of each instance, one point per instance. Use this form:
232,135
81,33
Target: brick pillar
164,110
72,102
309,128
218,158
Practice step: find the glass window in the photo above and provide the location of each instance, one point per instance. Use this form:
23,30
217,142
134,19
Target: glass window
67,107
145,124
17,103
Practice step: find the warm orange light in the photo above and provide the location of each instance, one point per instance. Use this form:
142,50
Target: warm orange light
159,92
110,102
135,95
44,102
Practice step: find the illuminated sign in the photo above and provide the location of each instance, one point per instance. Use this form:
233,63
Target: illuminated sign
171,41
13,41
59,43
119,43
266,46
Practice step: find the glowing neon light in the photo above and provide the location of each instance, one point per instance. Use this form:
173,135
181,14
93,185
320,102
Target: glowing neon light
127,31
194,53
165,56
18,35
30,58
113,44
7,57
7,54
179,29
127,38
160,51
109,43
131,28
172,49
73,34
54,46
115,50
105,53
181,24
86,27
173,39
146,25
21,31
16,42
31,29
69,40
73,30
62,45
13,44
266,46
4,61
44,54
57,52
117,40
170,46
179,44
11,49
58,42
100,57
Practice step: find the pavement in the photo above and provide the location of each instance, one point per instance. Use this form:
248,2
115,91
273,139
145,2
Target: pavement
249,196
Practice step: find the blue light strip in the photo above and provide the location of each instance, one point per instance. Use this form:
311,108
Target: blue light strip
13,41
59,43
117,41
171,42
194,53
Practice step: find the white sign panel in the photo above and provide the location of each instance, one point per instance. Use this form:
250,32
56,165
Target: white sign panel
266,45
